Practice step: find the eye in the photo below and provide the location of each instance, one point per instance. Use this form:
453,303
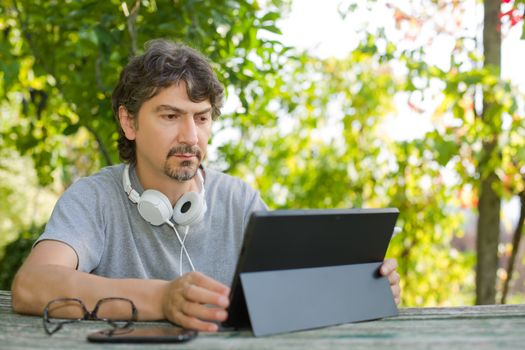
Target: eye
202,118
170,116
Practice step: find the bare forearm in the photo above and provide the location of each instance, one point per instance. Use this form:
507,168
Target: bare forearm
35,286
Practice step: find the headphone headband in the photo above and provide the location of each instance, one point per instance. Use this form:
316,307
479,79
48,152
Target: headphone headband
132,194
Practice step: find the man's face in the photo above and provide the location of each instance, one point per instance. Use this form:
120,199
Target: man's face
171,133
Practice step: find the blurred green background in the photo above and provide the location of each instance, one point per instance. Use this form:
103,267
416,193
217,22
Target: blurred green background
307,130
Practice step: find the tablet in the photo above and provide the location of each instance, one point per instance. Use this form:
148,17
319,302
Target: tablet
308,239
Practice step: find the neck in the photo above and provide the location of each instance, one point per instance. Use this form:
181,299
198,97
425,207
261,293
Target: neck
173,189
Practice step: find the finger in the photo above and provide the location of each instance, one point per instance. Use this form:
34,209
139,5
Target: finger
394,278
204,312
388,266
396,291
193,323
208,283
197,294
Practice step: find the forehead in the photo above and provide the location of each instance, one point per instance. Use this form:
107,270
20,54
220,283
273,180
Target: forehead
176,95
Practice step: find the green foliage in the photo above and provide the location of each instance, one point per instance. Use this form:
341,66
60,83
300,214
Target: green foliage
14,254
461,143
434,272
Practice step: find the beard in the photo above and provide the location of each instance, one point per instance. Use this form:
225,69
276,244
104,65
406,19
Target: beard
185,170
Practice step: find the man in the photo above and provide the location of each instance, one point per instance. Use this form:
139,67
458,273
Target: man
107,237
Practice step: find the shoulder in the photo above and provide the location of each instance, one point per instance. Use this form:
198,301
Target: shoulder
217,180
103,183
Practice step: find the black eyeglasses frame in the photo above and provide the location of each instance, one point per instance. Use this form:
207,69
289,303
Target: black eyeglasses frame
52,326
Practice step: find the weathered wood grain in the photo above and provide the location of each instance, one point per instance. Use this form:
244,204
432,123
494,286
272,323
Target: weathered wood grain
473,327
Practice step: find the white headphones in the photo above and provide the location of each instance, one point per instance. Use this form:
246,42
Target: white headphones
156,208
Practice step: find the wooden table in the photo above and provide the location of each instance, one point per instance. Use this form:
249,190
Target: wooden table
472,327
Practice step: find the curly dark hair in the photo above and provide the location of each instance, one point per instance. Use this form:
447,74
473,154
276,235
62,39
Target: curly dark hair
163,64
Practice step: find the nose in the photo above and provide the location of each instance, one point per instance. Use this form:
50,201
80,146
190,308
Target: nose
188,132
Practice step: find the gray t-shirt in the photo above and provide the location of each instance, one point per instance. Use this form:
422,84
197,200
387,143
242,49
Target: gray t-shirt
96,218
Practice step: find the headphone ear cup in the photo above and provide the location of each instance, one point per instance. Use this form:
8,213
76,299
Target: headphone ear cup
190,209
154,207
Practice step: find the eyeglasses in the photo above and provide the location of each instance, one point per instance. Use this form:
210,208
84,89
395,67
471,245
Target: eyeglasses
126,310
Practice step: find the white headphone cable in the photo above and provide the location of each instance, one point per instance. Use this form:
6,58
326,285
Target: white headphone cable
187,228
183,247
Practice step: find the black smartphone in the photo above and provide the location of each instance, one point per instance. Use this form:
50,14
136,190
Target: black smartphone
143,335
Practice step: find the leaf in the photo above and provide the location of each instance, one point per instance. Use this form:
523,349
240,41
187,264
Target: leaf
272,29
71,129
271,17
446,150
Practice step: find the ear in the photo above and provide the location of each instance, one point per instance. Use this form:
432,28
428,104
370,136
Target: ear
127,123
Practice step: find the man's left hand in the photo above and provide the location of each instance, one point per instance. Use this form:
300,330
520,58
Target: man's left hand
388,269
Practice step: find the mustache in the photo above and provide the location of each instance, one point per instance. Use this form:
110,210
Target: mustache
185,149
